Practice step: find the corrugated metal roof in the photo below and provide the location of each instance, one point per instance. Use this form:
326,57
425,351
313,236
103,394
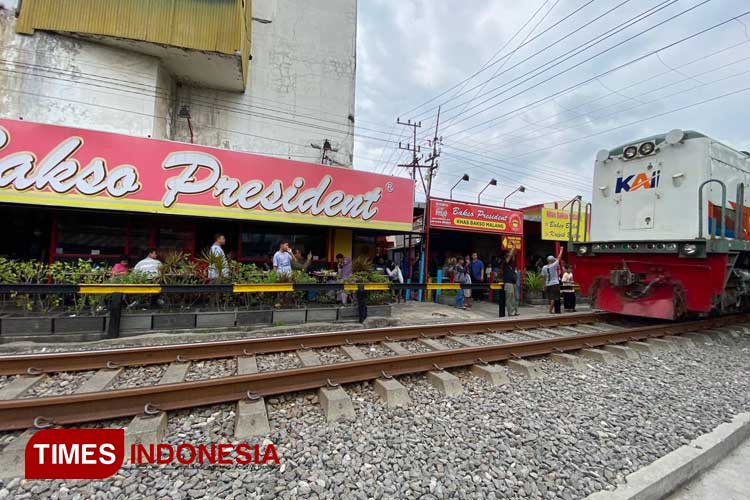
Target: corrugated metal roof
210,25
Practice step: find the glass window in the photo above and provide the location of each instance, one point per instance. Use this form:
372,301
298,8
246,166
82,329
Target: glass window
105,235
260,246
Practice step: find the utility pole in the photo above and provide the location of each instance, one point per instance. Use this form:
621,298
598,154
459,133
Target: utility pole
432,169
326,148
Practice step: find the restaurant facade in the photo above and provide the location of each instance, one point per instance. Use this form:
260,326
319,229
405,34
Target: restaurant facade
69,193
457,228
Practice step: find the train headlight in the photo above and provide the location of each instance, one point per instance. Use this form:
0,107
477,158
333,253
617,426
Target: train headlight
647,148
583,250
689,249
630,152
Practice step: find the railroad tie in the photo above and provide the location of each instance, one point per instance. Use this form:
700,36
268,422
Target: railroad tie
354,352
498,336
680,341
554,333
251,416
565,358
308,358
643,347
662,345
700,340
525,368
463,340
598,355
535,335
20,385
397,348
150,429
336,404
392,392
622,351
13,456
447,383
493,375
721,336
100,380
433,344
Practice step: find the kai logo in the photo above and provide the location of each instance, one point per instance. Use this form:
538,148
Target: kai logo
638,181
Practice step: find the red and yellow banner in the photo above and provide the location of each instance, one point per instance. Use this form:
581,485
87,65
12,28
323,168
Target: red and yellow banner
477,218
67,167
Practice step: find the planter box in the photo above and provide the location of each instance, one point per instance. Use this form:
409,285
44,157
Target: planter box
135,322
215,319
174,321
383,311
322,314
260,317
289,316
26,326
80,324
348,314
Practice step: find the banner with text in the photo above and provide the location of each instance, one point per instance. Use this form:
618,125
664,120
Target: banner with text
556,225
477,218
67,167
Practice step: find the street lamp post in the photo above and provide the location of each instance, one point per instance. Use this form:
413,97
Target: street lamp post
465,177
493,182
519,189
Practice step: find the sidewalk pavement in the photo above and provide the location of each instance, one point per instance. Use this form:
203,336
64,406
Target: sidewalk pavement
415,313
727,480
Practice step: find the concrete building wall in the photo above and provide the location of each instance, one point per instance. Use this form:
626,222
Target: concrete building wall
300,89
60,80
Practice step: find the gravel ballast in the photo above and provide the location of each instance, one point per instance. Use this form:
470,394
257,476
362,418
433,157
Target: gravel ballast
563,436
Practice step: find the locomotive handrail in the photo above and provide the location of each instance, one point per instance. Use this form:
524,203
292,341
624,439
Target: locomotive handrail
739,209
587,225
578,222
722,233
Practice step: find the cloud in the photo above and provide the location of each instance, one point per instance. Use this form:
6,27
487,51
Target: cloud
413,50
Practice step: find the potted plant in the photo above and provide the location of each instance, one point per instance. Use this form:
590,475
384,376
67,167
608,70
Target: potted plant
533,286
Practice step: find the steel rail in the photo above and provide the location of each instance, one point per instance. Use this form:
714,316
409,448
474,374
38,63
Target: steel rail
60,410
150,355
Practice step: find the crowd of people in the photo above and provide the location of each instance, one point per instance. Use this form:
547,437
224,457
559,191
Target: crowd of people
465,270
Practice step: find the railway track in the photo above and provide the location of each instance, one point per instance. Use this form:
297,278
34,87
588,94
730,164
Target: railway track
522,339
37,364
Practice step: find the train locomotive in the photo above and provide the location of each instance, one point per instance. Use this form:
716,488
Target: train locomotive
669,229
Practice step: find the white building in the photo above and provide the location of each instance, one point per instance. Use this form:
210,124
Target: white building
267,76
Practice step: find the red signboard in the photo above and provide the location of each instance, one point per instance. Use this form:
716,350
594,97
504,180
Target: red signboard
476,218
60,166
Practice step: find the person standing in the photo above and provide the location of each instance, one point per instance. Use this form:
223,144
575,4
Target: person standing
552,282
509,282
459,274
396,276
344,270
282,260
218,269
150,265
476,271
567,289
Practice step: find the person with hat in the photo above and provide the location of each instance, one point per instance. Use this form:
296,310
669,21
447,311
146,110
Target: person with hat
552,281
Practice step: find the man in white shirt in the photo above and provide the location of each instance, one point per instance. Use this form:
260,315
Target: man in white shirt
282,260
552,280
149,266
216,249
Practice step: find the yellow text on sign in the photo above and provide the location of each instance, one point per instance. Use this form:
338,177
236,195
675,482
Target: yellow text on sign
485,224
556,225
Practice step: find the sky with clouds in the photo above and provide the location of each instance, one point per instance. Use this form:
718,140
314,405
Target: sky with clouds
530,91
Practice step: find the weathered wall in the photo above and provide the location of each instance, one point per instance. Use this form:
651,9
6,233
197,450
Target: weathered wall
302,71
64,81
300,90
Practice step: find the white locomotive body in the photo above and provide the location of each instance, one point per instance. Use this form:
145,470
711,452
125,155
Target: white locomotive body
669,228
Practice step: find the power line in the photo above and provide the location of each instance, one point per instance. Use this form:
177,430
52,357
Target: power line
612,70
576,11
572,53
